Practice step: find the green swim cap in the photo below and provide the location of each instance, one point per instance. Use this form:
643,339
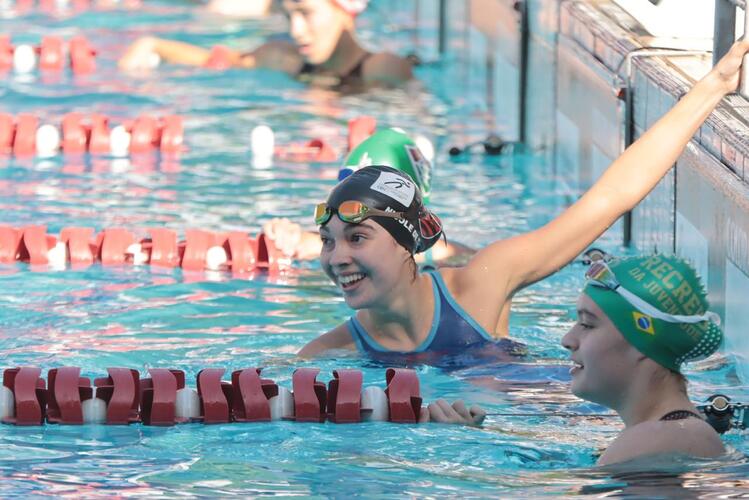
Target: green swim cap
672,287
393,148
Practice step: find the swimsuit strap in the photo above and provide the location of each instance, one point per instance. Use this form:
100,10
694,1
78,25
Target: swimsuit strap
679,415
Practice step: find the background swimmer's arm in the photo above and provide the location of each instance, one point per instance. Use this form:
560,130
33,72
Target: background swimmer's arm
692,437
338,338
292,240
140,54
386,69
442,250
524,259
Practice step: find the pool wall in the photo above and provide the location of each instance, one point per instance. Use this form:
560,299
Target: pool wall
557,76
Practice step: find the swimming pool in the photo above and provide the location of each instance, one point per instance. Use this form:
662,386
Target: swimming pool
141,317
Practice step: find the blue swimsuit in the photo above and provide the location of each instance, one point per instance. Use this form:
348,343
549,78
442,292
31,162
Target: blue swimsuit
454,338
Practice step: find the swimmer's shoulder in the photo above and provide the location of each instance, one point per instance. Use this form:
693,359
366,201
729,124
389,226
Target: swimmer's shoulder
690,436
279,54
337,338
387,69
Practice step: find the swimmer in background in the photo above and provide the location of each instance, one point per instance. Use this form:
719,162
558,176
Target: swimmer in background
638,320
390,147
324,50
375,221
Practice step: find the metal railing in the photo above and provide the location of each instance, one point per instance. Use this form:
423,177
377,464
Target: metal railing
724,34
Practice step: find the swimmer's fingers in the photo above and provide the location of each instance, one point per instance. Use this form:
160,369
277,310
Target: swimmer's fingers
727,69
284,234
424,415
478,414
453,413
437,414
474,416
441,411
452,416
460,408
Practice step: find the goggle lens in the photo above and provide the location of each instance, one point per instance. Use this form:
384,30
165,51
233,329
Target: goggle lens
352,211
322,213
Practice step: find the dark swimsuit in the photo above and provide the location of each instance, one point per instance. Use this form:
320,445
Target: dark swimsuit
455,339
351,80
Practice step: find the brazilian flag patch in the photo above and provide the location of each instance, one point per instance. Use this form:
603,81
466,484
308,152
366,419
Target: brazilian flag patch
643,322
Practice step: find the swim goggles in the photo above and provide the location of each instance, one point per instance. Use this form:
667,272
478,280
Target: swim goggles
600,274
354,212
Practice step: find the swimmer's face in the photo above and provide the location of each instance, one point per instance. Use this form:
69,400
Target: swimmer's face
363,260
604,361
316,26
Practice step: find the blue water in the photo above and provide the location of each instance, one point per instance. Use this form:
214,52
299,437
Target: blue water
141,317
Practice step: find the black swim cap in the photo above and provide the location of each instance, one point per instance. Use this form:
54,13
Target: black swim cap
388,189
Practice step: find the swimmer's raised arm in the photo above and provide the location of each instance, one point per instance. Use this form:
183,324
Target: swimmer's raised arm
505,266
140,55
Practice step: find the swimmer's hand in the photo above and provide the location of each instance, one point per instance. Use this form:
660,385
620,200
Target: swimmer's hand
292,240
442,412
141,55
728,70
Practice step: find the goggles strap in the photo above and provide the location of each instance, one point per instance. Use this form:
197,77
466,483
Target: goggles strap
652,311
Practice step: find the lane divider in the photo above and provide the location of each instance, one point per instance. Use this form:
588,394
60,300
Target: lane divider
52,7
52,55
79,133
163,399
264,150
200,250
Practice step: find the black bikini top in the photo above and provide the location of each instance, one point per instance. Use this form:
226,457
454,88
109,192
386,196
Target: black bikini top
679,415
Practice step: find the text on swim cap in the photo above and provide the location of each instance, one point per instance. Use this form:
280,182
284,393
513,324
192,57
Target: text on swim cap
670,290
409,227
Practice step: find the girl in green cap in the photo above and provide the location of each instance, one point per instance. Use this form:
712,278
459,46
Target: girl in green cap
390,147
402,312
638,320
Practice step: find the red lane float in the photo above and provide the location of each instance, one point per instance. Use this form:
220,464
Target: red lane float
66,394
52,55
56,7
120,393
199,251
163,399
81,133
403,395
315,150
251,396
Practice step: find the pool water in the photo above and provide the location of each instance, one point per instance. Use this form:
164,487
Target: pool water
141,317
